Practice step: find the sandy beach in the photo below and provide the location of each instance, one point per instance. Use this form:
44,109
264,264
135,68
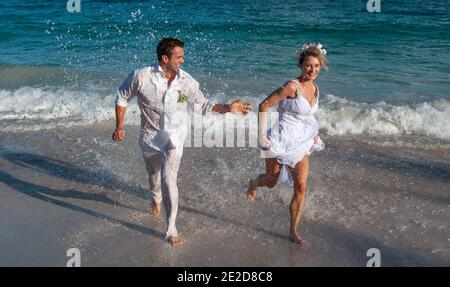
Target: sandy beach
75,188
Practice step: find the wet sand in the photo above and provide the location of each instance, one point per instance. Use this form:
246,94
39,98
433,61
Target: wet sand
73,187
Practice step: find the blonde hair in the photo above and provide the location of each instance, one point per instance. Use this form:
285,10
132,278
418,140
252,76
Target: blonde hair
316,53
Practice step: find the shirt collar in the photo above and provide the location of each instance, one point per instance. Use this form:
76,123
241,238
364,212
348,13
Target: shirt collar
161,73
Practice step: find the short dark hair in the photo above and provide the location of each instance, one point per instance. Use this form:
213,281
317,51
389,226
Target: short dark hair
166,45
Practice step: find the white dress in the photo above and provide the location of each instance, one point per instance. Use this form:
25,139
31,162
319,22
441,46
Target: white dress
292,136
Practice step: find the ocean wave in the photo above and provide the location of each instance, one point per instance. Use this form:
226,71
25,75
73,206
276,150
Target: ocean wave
29,108
339,116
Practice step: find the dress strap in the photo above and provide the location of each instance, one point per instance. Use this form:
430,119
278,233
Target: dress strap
298,90
317,93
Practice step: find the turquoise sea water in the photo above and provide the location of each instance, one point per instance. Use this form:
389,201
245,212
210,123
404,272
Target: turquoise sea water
397,58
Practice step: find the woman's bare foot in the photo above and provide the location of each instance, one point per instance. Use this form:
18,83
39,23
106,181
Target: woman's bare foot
294,237
251,191
156,208
175,240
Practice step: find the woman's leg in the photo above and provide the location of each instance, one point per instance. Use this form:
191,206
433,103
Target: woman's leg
299,175
269,179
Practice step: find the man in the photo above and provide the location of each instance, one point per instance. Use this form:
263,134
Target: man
163,92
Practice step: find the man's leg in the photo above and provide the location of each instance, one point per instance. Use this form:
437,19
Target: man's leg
153,164
171,163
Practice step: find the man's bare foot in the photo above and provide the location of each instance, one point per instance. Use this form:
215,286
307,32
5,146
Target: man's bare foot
156,208
251,191
294,237
176,240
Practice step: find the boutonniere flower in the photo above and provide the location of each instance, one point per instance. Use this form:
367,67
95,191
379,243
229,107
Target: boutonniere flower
182,99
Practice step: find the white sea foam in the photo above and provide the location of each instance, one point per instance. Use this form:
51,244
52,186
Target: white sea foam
339,116
29,108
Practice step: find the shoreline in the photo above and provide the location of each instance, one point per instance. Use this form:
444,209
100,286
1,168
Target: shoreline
73,187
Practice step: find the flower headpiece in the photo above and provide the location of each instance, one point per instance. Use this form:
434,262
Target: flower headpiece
310,45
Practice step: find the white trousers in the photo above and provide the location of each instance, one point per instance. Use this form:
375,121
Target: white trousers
162,168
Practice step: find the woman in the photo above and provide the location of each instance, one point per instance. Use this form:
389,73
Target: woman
294,137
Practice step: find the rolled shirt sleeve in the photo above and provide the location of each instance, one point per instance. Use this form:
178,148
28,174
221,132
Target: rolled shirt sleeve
128,89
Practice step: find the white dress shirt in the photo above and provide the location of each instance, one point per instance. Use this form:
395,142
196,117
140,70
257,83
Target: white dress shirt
163,112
